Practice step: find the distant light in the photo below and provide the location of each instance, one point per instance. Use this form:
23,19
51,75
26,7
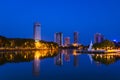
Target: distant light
36,40
115,40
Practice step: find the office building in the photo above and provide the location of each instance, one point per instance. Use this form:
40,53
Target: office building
37,31
67,41
76,37
98,38
58,38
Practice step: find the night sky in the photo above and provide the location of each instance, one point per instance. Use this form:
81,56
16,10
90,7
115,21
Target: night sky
85,16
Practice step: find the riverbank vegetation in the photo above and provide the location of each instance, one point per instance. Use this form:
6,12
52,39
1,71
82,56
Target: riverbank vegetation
106,44
26,43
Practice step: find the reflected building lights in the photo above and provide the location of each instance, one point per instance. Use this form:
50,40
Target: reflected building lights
105,58
76,58
36,64
27,56
59,59
67,55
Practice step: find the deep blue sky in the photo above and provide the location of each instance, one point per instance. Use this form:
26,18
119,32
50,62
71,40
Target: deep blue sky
85,16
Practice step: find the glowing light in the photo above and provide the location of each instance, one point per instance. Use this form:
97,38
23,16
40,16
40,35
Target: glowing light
25,56
37,55
115,40
37,44
75,44
74,52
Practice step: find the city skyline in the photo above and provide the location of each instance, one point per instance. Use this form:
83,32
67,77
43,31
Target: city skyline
86,17
59,39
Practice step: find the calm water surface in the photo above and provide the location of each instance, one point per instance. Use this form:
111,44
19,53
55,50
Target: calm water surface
59,65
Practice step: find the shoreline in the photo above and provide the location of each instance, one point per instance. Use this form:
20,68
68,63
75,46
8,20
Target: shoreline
22,49
98,51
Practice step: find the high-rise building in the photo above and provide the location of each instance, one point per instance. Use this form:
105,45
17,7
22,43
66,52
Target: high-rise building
37,31
76,37
98,38
58,38
67,41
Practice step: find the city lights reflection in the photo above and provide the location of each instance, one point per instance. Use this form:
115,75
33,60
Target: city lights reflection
61,58
36,64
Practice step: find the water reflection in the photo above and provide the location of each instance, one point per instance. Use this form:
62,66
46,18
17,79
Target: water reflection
67,55
36,64
106,58
76,58
90,58
61,57
25,56
98,59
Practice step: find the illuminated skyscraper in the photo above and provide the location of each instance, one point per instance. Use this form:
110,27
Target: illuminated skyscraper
67,41
76,37
37,31
98,38
58,38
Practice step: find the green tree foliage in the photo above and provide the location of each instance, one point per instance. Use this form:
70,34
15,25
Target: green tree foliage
24,43
4,42
106,44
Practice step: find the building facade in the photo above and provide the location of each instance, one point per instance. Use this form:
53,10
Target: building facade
37,31
76,37
58,38
98,38
67,41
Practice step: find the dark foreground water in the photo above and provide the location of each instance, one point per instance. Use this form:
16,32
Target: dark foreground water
67,65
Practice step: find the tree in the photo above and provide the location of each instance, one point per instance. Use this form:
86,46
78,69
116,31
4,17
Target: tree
106,44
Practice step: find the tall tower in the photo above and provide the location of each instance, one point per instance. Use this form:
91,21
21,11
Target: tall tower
67,41
58,38
76,38
98,38
37,31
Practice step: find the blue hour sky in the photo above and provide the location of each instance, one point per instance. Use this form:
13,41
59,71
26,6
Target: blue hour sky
85,16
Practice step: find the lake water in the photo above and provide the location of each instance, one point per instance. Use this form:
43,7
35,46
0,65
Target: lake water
58,65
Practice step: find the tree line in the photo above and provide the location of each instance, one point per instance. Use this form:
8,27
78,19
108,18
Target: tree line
25,43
